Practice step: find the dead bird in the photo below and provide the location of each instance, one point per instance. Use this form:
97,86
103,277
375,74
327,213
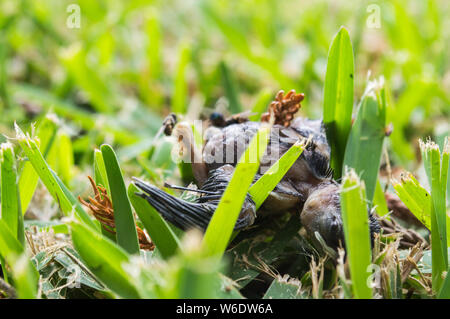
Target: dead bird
319,206
307,188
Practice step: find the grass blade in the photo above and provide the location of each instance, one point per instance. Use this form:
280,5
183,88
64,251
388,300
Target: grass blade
415,197
261,189
197,276
338,97
365,142
24,273
10,202
100,176
29,178
436,169
104,259
79,211
160,232
222,223
126,233
50,180
284,288
356,231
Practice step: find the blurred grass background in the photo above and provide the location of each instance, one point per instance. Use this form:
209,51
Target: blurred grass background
131,62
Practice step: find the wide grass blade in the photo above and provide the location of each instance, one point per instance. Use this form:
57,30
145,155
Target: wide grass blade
338,97
126,233
104,258
10,202
222,223
365,142
52,183
160,232
437,172
197,276
261,189
284,288
356,231
24,273
28,180
415,197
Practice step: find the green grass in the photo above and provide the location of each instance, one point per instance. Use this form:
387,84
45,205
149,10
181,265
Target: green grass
261,189
437,172
415,197
28,179
338,97
222,223
160,232
131,63
356,231
365,142
123,216
57,189
22,270
104,258
10,205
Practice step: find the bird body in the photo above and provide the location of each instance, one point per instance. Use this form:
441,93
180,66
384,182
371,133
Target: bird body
307,188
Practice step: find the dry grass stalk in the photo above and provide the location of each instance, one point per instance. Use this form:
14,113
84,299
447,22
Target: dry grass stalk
317,271
411,261
408,237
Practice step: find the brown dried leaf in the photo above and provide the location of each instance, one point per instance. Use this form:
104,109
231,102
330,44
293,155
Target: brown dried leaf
102,209
283,108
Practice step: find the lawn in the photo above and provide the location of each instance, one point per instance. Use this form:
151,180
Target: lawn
86,85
